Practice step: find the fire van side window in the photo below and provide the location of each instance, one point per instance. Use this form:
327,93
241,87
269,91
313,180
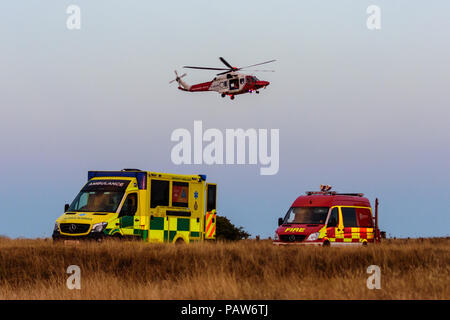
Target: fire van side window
364,218
159,194
334,218
349,217
180,194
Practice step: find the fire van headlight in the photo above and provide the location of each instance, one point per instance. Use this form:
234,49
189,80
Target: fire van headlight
313,236
99,227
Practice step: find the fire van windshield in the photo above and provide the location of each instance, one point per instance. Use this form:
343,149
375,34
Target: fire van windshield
100,196
306,215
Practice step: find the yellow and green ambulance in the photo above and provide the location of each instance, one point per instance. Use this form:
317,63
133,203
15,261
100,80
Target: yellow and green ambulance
134,204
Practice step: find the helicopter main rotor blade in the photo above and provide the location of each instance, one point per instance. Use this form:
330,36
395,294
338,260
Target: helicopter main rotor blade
261,70
225,72
204,68
226,63
258,64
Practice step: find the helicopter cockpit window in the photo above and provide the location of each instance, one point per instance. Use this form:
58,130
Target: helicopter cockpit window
234,84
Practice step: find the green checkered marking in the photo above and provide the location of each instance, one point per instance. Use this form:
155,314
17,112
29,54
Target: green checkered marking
157,223
195,234
126,221
182,224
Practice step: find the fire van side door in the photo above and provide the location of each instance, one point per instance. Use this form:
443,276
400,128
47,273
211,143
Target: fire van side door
210,216
333,231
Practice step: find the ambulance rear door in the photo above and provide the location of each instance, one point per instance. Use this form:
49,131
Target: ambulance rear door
210,217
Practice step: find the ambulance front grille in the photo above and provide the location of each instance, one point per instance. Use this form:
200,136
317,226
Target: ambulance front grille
292,237
74,228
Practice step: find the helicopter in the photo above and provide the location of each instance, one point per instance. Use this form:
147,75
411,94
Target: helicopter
229,82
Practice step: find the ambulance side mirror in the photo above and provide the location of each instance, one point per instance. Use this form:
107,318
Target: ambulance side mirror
66,207
280,221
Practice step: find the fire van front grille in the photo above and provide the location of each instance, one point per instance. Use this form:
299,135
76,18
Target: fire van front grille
292,237
74,228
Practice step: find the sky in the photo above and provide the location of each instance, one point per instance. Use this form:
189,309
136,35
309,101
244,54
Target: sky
362,110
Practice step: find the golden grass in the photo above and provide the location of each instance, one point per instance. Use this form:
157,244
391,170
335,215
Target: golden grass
36,269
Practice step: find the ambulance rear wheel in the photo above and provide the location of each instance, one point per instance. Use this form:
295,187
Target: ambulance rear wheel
180,241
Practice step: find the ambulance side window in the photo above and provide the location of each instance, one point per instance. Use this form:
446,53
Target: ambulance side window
159,193
129,207
334,218
180,194
349,217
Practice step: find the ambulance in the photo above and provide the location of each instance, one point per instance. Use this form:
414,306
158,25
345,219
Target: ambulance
327,218
134,204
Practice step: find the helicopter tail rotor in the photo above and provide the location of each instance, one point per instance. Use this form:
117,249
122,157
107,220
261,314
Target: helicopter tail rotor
177,78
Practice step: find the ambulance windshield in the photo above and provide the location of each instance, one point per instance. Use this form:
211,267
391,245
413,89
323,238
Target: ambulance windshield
100,196
306,215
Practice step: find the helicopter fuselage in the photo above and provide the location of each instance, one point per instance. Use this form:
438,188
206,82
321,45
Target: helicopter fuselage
232,83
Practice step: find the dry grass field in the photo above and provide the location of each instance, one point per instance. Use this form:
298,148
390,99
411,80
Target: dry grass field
410,269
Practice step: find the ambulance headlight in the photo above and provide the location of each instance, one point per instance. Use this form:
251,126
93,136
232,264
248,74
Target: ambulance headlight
313,236
99,227
56,228
276,237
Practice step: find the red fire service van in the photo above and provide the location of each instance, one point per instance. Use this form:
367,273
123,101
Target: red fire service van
329,218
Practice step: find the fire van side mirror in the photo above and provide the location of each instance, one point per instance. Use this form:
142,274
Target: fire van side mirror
280,221
66,207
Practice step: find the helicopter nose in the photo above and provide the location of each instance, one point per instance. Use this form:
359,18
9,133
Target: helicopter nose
263,83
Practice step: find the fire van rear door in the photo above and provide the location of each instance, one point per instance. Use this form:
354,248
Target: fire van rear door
210,217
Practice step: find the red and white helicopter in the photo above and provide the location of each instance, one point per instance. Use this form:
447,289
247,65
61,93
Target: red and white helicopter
229,82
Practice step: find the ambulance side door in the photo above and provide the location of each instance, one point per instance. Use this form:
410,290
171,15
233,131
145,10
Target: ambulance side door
127,214
210,217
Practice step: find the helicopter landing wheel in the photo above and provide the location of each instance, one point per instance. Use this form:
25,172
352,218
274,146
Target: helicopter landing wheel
223,95
232,97
257,91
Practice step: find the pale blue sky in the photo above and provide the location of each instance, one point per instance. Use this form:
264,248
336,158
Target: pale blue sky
365,111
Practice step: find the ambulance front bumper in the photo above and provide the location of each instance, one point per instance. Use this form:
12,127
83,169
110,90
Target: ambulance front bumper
90,236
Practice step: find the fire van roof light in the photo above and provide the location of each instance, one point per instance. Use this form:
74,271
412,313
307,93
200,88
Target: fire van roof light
326,190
